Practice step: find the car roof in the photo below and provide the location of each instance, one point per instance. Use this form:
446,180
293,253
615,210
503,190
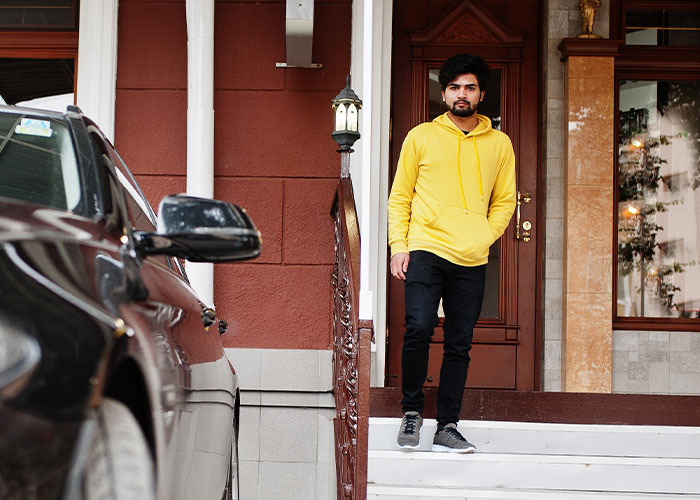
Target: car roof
56,115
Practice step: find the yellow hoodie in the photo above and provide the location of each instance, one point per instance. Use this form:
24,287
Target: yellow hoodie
453,194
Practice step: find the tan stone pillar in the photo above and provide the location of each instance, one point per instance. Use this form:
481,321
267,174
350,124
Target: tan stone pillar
589,112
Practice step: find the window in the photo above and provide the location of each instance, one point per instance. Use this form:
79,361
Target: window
37,82
659,199
658,168
39,14
662,27
38,52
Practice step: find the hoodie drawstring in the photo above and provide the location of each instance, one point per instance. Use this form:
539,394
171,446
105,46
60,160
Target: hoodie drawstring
459,170
478,169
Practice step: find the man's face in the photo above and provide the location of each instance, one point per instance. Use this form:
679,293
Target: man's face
463,95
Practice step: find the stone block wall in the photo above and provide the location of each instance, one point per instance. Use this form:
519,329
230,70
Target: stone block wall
656,362
286,448
561,20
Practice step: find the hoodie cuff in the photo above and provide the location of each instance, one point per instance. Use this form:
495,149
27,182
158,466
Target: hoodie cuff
399,247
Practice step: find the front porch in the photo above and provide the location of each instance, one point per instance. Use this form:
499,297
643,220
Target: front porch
531,445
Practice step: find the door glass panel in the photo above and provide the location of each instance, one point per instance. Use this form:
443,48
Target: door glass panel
491,107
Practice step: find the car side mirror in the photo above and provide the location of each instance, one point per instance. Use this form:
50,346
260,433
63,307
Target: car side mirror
201,230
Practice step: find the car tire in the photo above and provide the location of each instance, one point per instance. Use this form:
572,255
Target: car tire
232,483
119,464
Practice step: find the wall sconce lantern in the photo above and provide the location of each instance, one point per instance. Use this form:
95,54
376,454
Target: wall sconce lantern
346,108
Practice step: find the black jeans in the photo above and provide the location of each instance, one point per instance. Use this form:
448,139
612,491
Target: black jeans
461,288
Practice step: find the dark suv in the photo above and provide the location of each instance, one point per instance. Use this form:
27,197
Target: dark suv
113,379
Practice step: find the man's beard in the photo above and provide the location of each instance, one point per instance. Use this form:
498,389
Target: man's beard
463,112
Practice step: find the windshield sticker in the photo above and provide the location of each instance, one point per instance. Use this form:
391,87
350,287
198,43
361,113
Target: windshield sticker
32,126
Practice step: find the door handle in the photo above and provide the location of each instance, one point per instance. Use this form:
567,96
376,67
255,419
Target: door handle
522,231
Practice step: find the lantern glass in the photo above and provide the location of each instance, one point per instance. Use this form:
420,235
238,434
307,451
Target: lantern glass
340,118
352,117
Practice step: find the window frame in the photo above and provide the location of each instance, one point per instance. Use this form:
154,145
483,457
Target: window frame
42,45
75,11
618,14
647,63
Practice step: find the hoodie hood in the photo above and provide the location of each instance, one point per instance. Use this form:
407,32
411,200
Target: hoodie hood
482,127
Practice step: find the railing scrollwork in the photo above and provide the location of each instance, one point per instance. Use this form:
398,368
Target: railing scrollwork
351,352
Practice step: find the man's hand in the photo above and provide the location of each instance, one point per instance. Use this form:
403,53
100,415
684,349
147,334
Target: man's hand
399,265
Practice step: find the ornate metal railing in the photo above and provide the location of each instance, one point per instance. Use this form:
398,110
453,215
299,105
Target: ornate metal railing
351,352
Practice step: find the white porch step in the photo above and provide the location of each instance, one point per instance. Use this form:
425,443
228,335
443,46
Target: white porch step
532,461
382,492
561,472
555,439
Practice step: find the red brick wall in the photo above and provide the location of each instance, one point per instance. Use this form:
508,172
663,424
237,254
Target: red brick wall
273,151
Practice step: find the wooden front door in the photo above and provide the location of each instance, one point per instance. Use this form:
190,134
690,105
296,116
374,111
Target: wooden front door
506,34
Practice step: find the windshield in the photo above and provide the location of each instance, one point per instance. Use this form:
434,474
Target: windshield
38,162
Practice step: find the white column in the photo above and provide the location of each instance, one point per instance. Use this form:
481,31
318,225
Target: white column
371,72
366,236
381,88
97,62
200,123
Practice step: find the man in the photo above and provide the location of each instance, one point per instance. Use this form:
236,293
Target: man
452,197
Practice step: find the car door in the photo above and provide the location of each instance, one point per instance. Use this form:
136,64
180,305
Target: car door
197,396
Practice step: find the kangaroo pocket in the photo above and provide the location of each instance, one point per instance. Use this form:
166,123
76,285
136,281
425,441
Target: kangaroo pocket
465,233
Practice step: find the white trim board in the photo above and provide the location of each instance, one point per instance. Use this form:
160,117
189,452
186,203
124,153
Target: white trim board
97,62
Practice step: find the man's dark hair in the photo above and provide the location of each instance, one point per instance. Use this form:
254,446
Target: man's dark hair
461,64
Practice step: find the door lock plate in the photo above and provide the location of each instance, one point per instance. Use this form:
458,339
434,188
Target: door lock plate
522,231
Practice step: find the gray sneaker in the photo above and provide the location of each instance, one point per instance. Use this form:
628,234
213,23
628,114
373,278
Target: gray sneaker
451,441
409,432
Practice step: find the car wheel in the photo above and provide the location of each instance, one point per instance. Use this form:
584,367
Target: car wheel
232,491
119,464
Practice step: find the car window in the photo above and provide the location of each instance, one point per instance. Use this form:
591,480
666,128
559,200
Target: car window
141,217
141,214
138,211
132,187
38,162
